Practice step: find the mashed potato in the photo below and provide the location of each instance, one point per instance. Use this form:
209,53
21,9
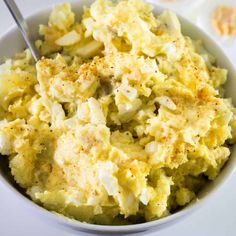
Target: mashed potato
123,120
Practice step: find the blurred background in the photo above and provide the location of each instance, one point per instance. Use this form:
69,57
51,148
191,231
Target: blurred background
218,216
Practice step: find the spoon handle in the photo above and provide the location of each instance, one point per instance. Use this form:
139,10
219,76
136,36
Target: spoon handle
20,21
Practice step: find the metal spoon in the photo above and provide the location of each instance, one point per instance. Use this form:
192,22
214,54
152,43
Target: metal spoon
24,29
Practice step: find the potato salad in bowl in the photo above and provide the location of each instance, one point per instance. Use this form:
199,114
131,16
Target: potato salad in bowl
123,120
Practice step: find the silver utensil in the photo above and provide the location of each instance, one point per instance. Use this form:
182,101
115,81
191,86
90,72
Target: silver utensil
24,29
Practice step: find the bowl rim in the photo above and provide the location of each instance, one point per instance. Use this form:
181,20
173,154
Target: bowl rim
83,226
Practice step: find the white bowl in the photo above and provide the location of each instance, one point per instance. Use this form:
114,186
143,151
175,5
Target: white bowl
11,42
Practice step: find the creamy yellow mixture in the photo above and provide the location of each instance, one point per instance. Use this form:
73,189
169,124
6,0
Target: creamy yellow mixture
121,121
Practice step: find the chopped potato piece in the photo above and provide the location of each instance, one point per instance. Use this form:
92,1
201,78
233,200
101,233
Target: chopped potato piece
90,49
68,39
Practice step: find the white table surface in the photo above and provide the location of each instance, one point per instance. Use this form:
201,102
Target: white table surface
217,217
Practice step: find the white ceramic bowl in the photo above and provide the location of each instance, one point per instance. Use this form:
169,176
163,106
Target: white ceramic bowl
11,42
